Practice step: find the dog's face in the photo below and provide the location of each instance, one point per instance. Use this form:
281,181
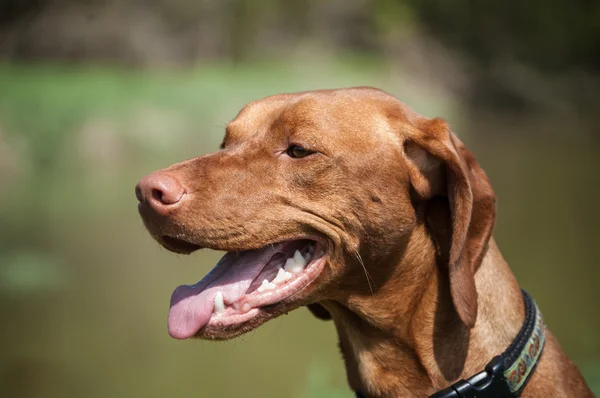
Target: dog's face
306,189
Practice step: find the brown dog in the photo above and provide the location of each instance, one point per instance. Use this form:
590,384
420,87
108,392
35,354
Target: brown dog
353,204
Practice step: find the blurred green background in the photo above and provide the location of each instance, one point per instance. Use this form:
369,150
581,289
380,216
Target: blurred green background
95,94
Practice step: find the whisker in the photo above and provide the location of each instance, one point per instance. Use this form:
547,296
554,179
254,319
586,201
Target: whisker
369,278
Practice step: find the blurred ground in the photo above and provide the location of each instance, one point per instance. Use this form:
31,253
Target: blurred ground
84,290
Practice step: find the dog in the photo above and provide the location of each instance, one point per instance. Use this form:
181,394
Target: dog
352,204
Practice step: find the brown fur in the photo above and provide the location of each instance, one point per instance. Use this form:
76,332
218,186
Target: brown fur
417,288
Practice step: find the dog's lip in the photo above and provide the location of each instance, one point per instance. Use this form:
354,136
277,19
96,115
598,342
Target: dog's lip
193,311
178,245
182,244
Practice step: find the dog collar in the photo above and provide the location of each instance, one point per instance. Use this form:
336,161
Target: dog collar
507,374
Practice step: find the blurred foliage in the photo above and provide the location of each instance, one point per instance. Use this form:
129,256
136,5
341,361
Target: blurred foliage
552,35
500,42
95,94
84,290
555,37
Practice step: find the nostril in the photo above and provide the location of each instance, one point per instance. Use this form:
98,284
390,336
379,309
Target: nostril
167,194
159,190
157,194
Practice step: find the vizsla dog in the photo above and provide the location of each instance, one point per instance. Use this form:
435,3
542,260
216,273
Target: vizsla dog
350,203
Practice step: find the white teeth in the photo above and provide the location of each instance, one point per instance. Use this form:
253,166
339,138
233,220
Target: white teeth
266,285
289,264
279,276
219,304
282,276
308,256
295,264
299,259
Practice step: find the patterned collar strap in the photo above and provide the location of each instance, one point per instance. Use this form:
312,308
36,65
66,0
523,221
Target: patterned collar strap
521,357
506,375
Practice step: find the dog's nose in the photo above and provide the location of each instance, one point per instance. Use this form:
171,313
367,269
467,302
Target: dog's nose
160,191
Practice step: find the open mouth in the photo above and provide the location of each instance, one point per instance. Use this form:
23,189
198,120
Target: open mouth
242,283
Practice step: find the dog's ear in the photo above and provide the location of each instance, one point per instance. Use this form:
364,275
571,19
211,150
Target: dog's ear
440,165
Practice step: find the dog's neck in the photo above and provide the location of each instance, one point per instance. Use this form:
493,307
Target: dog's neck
410,341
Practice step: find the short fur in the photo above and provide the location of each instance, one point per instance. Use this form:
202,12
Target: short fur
417,288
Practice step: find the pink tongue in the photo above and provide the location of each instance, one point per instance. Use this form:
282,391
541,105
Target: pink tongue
192,305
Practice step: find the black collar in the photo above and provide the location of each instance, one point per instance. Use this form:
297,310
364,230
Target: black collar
505,375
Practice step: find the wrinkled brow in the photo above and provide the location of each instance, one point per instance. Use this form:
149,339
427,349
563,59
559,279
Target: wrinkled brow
230,135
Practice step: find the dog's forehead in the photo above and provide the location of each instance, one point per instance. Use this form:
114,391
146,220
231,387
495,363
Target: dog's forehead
360,110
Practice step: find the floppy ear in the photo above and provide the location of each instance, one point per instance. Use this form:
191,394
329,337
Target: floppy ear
440,165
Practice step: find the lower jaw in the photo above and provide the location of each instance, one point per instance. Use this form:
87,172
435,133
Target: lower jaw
226,331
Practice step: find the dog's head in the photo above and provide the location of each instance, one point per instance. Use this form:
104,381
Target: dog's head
314,197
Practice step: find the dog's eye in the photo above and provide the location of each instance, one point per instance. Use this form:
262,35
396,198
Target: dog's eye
296,151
